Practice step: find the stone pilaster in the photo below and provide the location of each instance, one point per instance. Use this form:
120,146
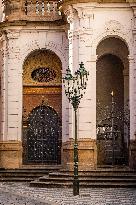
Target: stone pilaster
14,89
73,20
4,86
11,83
87,109
10,147
132,94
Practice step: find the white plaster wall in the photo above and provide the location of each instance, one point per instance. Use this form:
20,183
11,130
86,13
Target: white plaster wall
20,43
95,22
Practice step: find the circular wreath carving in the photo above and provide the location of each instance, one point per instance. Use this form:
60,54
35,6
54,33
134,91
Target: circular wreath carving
43,74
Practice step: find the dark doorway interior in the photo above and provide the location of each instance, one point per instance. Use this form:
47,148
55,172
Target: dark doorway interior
110,79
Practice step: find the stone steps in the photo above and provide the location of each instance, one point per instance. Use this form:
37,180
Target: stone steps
84,179
98,178
16,179
83,185
94,174
26,174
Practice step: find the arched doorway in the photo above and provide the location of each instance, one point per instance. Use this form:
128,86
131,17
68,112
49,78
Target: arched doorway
42,108
112,112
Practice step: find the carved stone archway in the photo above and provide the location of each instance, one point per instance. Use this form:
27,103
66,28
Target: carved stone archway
41,86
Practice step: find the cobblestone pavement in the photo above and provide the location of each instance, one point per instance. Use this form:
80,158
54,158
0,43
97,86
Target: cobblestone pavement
22,194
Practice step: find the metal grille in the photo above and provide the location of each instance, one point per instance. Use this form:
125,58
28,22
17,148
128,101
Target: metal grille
110,142
109,145
42,137
43,74
112,132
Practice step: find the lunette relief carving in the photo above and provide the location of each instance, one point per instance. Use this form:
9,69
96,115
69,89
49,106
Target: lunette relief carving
113,26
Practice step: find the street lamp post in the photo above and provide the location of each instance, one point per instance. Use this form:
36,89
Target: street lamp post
74,89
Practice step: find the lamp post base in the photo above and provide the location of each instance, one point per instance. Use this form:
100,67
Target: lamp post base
75,186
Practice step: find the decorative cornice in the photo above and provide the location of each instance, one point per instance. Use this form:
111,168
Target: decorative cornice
42,90
31,23
131,1
70,2
75,1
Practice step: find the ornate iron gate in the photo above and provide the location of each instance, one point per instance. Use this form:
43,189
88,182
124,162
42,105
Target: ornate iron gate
109,145
112,126
42,137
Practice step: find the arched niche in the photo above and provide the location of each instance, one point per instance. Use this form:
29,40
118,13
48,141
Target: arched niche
112,97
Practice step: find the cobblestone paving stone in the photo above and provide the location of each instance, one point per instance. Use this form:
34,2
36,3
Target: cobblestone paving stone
22,194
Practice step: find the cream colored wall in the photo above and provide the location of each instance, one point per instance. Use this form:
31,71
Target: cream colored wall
20,42
90,23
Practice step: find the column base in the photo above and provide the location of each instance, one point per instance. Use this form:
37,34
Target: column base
87,154
10,154
132,154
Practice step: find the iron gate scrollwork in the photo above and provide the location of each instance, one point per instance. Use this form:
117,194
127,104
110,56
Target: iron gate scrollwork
42,137
112,132
109,144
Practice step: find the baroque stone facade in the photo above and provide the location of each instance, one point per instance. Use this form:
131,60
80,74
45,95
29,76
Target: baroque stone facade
81,31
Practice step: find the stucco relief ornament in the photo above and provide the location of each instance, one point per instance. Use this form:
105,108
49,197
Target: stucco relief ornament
73,34
70,14
70,36
13,34
113,26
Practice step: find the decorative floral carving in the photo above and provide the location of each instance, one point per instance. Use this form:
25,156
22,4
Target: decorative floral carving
13,34
113,26
70,13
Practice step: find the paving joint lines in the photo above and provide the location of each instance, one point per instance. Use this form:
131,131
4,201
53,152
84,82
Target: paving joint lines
17,194
64,196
